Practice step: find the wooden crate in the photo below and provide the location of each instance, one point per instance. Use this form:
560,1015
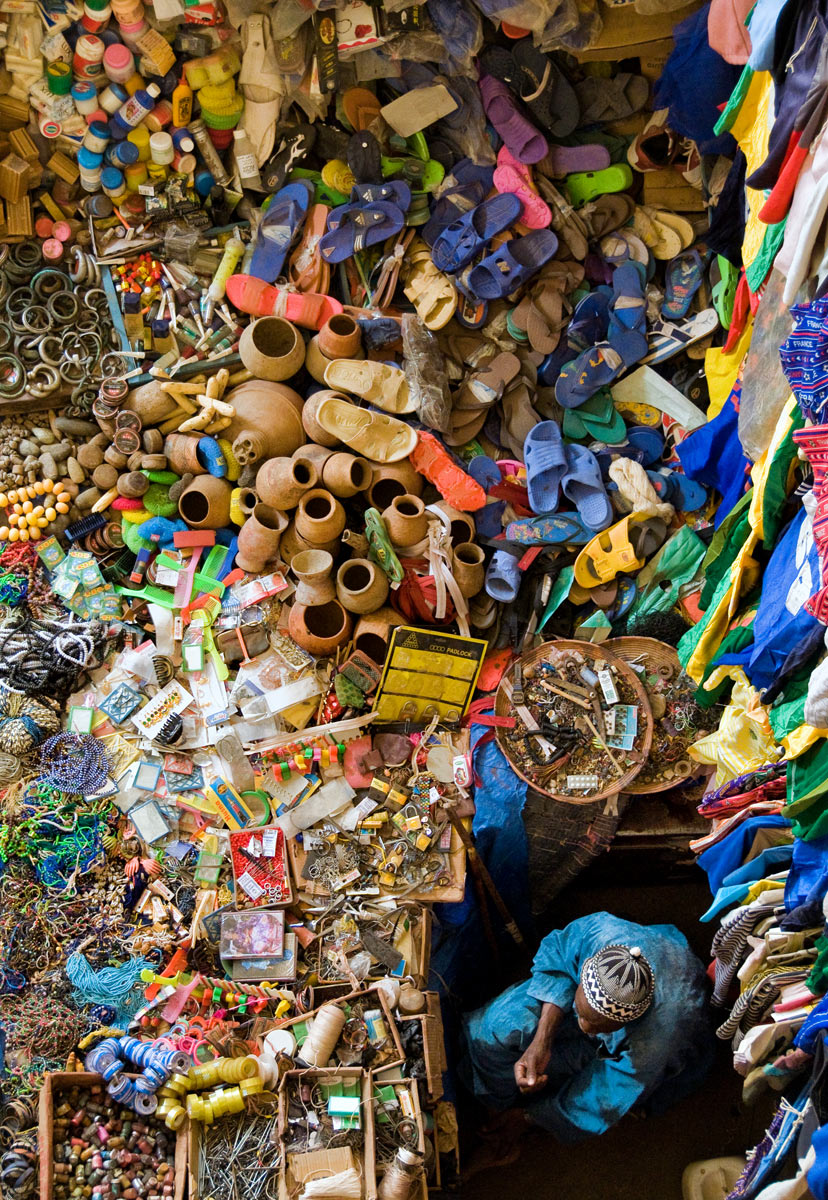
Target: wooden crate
62,1081
418,967
376,998
389,1078
434,1045
287,1182
195,1131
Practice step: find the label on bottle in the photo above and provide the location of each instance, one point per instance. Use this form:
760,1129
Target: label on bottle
133,111
248,167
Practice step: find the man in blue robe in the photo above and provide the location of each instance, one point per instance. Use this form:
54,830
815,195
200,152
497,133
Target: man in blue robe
612,1018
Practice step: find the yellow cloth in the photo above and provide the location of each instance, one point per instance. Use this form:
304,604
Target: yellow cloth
801,739
744,741
722,370
751,129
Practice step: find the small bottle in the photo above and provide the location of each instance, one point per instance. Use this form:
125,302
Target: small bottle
182,104
246,166
133,111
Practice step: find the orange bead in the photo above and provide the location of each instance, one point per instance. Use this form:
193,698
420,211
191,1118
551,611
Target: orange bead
13,535
48,485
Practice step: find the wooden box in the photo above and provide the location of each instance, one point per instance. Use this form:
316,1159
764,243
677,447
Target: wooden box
434,1045
389,1078
375,998
288,1183
194,1144
418,966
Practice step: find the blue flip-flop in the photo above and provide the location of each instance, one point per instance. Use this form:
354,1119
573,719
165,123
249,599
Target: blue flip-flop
553,529
503,578
690,494
628,285
583,485
590,319
512,265
546,464
648,440
470,234
485,471
682,279
278,227
361,226
396,192
624,597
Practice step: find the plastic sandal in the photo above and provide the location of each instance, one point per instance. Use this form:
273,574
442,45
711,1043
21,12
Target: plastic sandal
540,314
604,100
683,278
552,529
431,459
359,227
590,319
420,176
513,264
598,366
381,385
307,270
512,176
323,193
679,224
485,387
628,309
648,440
596,419
546,465
361,107
626,592
308,309
724,281
380,548
429,290
623,547
337,174
666,338
568,160
587,185
467,237
582,484
396,192
545,90
525,141
503,577
608,213
278,227
372,434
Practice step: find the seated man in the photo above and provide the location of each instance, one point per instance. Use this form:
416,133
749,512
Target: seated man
612,1013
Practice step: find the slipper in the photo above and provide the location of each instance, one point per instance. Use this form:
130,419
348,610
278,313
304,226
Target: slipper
589,322
503,577
598,366
397,192
568,224
626,592
308,309
683,278
307,270
294,147
628,309
431,459
666,338
607,213
656,146
467,237
540,313
429,290
337,174
513,177
546,464
724,280
677,223
587,185
690,495
361,107
512,264
568,160
485,470
371,434
378,383
465,426
363,157
624,547
385,274
552,529
361,226
323,193
668,242
484,387
604,100
420,176
278,227
545,90
495,665
648,440
597,419
582,484
525,141
519,417
380,547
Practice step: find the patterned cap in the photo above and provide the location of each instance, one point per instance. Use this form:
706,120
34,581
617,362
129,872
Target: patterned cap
618,983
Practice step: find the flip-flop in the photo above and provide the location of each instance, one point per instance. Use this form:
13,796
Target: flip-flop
624,547
545,90
668,242
471,314
307,270
336,173
604,100
552,529
629,304
627,590
323,193
308,309
666,338
361,107
724,280
278,227
589,322
363,156
648,440
484,387
362,225
683,278
597,367
690,495
294,147
568,160
583,186
431,459
512,264
513,177
596,419
503,577
568,224
467,237
381,385
546,465
420,176
380,547
396,192
371,434
678,223
583,485
607,213
524,140
429,290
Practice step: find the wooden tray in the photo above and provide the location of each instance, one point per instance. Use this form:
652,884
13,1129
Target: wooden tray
398,1058
592,653
288,1187
434,1045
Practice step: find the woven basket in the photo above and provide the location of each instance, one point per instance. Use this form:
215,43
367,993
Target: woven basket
591,654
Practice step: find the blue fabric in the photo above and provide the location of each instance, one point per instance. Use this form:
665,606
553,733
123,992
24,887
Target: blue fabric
807,880
775,858
791,576
728,854
593,1081
713,455
817,1020
762,26
817,1175
726,897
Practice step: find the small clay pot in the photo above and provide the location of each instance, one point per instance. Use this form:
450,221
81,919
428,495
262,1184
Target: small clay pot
406,520
316,361
271,348
467,567
313,570
460,525
150,402
205,504
345,474
320,517
309,422
340,337
361,586
282,482
319,628
318,455
293,543
259,538
391,480
373,633
182,454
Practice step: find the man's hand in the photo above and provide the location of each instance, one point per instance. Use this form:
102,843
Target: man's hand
530,1069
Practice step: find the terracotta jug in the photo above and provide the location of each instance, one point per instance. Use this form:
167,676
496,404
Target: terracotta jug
182,454
406,520
340,337
259,538
460,525
309,422
319,628
361,586
205,504
271,348
373,633
267,423
282,482
467,567
313,570
318,455
292,544
320,517
391,480
345,474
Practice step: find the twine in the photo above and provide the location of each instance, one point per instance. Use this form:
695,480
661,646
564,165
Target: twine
636,491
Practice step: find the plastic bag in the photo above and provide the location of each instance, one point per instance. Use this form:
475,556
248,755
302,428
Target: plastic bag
425,373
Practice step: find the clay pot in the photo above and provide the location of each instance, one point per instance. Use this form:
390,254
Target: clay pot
340,337
313,570
373,633
311,426
391,480
319,628
361,586
467,567
205,504
460,525
320,517
267,423
345,475
150,403
318,455
406,520
282,482
316,361
182,454
293,543
259,538
271,348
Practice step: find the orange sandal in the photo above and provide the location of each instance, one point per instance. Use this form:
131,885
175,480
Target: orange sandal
431,459
307,270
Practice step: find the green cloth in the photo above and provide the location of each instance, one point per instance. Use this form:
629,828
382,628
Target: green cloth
817,981
737,97
691,639
759,269
660,583
718,568
807,778
774,516
732,642
560,590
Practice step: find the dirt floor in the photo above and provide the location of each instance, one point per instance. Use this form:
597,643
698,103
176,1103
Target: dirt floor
641,1159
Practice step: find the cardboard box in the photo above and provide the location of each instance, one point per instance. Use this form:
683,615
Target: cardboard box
389,1079
421,923
374,998
288,1180
628,34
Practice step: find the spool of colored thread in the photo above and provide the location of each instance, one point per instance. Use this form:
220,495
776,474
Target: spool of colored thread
87,61
118,64
59,78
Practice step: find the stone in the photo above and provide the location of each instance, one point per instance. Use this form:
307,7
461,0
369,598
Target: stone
48,466
88,497
45,436
76,471
75,427
60,451
27,447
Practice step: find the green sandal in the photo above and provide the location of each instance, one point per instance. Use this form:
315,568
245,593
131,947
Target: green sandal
380,548
597,419
583,186
420,176
323,192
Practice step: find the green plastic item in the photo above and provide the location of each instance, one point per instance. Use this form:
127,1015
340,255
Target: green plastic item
380,548
157,500
583,186
597,419
324,193
168,477
214,561
132,538
206,583
150,593
164,560
420,176
418,146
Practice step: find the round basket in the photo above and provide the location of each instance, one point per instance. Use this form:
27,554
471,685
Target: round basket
663,660
591,655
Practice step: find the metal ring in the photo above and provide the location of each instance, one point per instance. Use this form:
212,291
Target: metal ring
19,300
50,377
49,281
64,307
12,376
50,350
37,319
79,270
95,298
5,338
27,347
113,365
72,370
26,254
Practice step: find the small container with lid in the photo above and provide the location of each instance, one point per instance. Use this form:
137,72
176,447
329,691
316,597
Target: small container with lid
97,137
140,137
162,151
183,140
118,63
85,96
135,174
113,184
95,22
132,31
87,61
121,154
184,163
59,78
157,172
113,97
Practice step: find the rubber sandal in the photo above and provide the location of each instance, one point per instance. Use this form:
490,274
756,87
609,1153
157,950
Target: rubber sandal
361,226
605,100
383,386
363,156
420,176
587,185
484,387
669,242
597,419
597,367
627,590
431,459
396,192
690,494
294,147
467,237
648,440
308,309
624,547
503,577
278,227
683,278
430,291
380,547
471,314
512,264
568,224
307,270
724,279
513,177
361,107
540,313
374,435
589,322
628,308
568,160
524,140
495,665
607,213
552,529
583,485
545,90
666,338
546,465
679,224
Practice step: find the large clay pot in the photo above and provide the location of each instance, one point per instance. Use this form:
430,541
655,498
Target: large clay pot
310,424
259,538
361,586
282,482
467,567
373,633
345,474
393,479
406,520
320,517
182,454
151,403
271,348
313,570
293,543
319,628
340,337
267,421
460,525
205,504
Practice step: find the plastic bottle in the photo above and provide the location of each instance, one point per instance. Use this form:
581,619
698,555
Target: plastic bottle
233,251
246,166
182,104
133,111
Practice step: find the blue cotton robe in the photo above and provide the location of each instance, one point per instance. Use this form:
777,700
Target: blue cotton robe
593,1081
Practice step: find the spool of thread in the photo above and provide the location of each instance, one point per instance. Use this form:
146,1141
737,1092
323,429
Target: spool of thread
280,1041
319,1044
59,78
401,1176
87,61
85,96
118,63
